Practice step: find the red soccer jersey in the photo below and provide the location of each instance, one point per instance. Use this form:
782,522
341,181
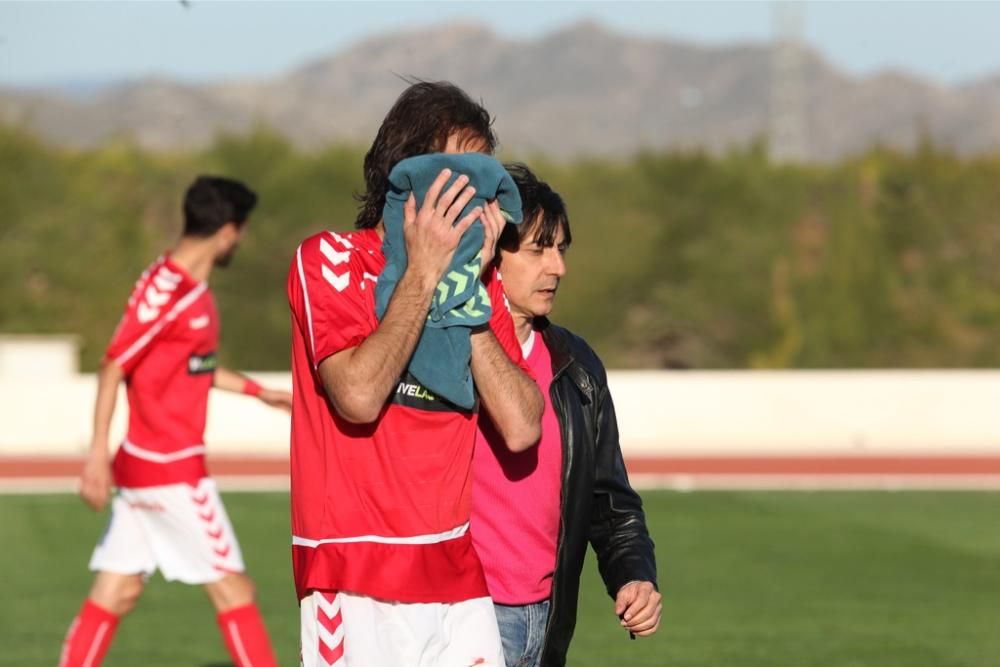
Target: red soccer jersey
379,509
165,344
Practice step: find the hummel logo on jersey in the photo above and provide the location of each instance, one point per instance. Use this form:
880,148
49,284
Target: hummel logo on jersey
157,294
199,322
335,257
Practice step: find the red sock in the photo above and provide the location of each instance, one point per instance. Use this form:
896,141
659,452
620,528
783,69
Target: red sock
245,636
89,637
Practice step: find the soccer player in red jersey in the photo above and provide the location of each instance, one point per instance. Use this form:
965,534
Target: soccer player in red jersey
167,513
381,468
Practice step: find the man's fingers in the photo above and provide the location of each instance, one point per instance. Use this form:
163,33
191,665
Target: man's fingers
443,204
648,620
497,220
649,631
637,616
626,594
456,208
410,209
638,602
432,192
467,221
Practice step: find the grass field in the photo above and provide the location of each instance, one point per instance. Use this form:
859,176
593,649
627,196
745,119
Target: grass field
750,579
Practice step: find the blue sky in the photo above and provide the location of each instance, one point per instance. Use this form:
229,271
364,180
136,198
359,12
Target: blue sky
58,42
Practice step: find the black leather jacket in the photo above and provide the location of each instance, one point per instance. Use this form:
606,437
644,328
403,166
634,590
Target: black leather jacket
597,505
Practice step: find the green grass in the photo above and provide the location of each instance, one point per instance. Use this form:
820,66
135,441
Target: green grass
749,579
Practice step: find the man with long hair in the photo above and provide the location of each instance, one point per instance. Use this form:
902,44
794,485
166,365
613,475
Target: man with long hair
381,467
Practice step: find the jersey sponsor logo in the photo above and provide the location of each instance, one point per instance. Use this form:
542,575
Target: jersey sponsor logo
199,322
411,394
202,363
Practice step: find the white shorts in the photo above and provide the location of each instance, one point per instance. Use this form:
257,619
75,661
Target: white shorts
182,530
346,630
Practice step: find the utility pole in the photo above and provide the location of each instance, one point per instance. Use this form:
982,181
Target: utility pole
787,134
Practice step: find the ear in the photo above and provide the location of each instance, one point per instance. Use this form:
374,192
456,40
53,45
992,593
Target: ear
229,232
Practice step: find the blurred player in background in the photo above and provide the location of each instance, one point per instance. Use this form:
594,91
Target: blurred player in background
167,512
534,512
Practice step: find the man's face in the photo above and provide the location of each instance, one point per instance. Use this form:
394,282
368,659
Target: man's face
531,275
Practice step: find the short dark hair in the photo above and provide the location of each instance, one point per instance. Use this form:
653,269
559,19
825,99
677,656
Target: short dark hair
543,208
420,121
212,201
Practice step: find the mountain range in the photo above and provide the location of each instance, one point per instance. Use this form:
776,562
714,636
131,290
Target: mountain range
582,90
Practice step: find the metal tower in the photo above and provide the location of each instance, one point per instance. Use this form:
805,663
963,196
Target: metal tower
787,135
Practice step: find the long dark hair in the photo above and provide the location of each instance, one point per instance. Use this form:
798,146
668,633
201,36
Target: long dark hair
420,121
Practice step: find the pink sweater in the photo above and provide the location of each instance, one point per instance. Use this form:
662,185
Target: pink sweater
515,501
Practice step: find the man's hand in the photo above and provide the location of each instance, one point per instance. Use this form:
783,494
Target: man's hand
277,398
639,604
431,233
493,224
95,482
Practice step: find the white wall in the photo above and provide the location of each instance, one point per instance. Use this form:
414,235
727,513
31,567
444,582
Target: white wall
40,417
679,412
808,412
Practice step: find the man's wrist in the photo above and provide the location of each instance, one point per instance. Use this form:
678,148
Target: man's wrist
425,283
251,388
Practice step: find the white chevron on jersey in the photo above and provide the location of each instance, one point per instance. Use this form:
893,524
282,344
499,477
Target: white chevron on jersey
336,258
155,298
344,242
340,282
169,275
146,313
163,283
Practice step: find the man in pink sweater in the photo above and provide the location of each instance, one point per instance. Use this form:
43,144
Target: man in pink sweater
534,512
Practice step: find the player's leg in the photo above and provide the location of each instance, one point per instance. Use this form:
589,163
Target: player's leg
513,623
240,622
471,636
194,542
122,560
112,596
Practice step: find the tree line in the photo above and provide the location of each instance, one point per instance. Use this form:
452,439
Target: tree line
679,260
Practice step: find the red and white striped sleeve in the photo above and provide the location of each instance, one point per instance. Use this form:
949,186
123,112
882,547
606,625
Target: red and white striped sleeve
159,297
327,297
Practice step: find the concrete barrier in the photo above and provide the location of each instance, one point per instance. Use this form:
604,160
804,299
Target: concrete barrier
679,413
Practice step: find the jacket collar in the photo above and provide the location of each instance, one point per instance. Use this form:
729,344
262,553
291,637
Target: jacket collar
557,340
